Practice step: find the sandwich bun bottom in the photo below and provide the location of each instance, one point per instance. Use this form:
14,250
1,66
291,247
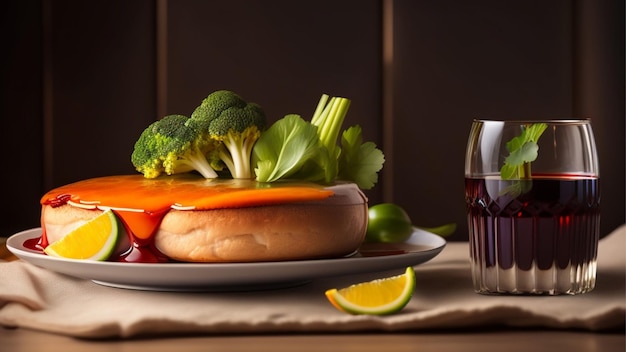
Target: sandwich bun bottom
267,233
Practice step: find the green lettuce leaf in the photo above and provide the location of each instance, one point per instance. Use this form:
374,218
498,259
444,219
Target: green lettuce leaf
284,148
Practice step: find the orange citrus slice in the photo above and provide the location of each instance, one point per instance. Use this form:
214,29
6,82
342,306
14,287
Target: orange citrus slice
94,240
378,297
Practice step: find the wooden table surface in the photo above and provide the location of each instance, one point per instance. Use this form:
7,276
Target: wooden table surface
509,340
18,340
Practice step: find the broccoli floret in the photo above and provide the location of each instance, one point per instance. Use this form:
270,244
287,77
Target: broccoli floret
172,146
214,104
235,125
145,157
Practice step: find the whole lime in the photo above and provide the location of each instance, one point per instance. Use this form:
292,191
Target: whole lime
388,223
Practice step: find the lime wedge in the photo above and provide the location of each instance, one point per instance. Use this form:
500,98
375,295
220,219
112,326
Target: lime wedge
94,240
378,297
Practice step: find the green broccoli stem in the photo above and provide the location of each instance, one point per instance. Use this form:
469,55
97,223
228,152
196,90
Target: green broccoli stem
237,160
199,163
227,159
237,150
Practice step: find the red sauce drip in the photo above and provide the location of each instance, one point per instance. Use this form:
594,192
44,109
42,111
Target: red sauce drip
34,244
60,200
142,225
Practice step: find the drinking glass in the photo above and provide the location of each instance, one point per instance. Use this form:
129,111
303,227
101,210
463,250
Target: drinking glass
533,204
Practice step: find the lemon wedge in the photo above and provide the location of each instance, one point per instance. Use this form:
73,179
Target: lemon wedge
94,240
378,297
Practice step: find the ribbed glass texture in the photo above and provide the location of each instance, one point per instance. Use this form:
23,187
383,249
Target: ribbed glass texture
542,246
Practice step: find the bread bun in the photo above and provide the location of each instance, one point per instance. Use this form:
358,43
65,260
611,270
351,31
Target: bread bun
331,227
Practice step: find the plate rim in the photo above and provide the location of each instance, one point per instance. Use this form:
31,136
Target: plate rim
435,244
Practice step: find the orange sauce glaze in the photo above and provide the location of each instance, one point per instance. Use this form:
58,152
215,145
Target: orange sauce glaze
141,203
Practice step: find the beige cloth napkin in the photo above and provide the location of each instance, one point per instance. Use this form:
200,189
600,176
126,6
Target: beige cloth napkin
35,298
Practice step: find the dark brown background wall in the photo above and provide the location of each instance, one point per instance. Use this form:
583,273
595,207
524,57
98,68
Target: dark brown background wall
80,81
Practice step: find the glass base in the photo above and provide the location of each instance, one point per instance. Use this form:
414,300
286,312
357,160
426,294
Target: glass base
571,280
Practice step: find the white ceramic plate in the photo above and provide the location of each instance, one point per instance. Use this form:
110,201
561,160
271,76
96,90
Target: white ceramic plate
421,247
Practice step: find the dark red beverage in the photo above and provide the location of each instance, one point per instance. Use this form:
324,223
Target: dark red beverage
523,232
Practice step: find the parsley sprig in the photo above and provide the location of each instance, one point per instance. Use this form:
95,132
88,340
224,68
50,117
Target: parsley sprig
523,150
